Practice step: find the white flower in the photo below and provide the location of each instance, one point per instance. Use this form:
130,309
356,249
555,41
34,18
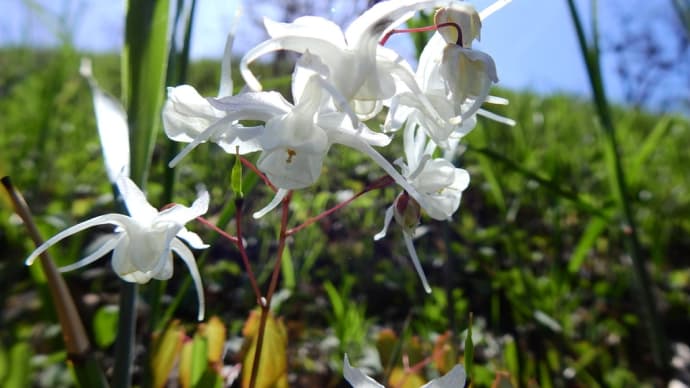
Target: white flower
142,244
362,71
296,137
454,78
357,379
436,181
186,115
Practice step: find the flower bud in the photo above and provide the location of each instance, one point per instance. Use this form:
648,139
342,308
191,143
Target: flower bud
467,24
406,211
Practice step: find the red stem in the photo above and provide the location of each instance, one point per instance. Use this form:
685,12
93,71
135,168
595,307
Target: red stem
377,184
394,31
435,27
263,177
218,230
281,247
265,303
243,252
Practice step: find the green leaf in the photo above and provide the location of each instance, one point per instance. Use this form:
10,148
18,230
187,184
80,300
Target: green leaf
167,347
145,59
273,364
4,363
335,299
216,334
593,230
20,373
199,358
288,270
649,145
469,351
512,358
105,325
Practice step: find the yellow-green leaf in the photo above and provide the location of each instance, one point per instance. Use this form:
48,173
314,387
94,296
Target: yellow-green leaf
400,378
215,333
167,347
273,362
386,342
186,365
105,325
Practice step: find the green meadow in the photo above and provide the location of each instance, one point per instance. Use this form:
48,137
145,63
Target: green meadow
566,277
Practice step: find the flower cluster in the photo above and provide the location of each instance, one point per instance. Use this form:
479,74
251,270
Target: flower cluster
342,83
343,80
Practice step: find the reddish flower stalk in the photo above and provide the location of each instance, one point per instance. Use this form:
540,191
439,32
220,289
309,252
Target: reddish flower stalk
265,303
435,27
243,252
377,184
218,230
263,177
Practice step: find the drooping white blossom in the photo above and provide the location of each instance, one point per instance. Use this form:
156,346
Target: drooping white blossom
142,243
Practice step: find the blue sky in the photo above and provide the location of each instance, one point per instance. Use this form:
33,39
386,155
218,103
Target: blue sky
532,41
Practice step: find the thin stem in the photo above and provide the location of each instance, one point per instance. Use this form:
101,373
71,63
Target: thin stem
590,53
377,184
87,370
435,27
243,252
240,246
126,321
218,230
126,327
263,177
259,342
265,303
282,239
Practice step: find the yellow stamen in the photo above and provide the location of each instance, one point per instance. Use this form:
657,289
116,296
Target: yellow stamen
290,153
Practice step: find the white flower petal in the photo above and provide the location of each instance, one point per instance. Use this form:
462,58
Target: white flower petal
180,214
203,137
261,106
135,200
338,126
384,16
323,48
453,379
192,239
277,199
164,270
148,249
186,113
415,260
495,117
386,222
113,219
108,245
468,74
357,378
307,27
123,266
291,171
188,258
